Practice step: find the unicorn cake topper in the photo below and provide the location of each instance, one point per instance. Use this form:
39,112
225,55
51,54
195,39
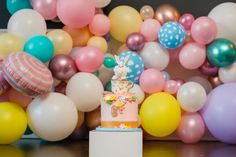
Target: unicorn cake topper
121,70
120,84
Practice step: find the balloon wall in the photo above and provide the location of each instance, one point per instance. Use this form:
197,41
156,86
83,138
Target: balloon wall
183,68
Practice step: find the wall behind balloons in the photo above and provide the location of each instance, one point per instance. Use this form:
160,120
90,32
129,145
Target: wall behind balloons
197,8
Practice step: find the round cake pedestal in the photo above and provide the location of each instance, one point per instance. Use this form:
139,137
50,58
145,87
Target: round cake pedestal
116,143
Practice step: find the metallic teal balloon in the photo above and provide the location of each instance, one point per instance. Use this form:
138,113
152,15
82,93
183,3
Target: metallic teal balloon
109,62
221,53
108,87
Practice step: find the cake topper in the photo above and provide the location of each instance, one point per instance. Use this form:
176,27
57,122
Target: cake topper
121,70
120,84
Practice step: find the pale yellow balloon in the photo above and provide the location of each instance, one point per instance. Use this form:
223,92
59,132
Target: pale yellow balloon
62,41
98,42
124,20
9,43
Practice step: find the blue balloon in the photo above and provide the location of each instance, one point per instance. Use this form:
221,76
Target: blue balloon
135,64
15,5
41,47
172,35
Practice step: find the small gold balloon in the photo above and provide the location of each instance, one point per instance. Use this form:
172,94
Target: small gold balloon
167,12
147,12
215,81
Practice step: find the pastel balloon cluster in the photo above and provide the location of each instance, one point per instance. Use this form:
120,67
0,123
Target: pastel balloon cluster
183,69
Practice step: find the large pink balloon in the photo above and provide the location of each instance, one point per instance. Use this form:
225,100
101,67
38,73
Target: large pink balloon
191,128
152,81
192,55
75,13
47,8
204,30
150,29
89,59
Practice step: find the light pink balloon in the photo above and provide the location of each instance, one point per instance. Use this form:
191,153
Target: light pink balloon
74,52
75,13
204,30
89,59
150,29
47,8
186,20
152,81
192,55
191,128
100,25
171,87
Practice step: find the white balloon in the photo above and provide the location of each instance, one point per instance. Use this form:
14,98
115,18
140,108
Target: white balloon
155,56
52,117
228,74
191,96
225,16
202,81
138,92
101,3
86,90
26,23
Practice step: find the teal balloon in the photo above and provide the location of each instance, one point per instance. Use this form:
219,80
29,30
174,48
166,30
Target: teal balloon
109,62
41,47
108,87
28,131
15,5
221,52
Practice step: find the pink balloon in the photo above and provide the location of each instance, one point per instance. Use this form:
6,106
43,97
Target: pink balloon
4,97
186,20
174,55
74,52
47,8
191,128
152,81
75,13
204,30
100,25
19,98
150,29
171,87
192,55
89,59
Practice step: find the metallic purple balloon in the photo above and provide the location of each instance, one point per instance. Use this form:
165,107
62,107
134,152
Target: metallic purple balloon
135,41
62,67
4,86
186,20
179,82
61,88
208,69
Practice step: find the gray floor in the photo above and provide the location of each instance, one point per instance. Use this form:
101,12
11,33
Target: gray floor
37,148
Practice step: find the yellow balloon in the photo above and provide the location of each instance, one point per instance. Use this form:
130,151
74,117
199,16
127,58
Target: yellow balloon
13,122
9,43
98,42
10,151
160,114
124,20
62,41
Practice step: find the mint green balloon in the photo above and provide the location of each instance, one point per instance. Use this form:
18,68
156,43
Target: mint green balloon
41,47
109,62
15,5
221,52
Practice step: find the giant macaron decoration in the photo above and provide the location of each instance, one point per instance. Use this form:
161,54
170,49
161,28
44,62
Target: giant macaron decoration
27,74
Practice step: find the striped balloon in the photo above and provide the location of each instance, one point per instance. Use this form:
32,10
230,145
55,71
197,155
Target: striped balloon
27,74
